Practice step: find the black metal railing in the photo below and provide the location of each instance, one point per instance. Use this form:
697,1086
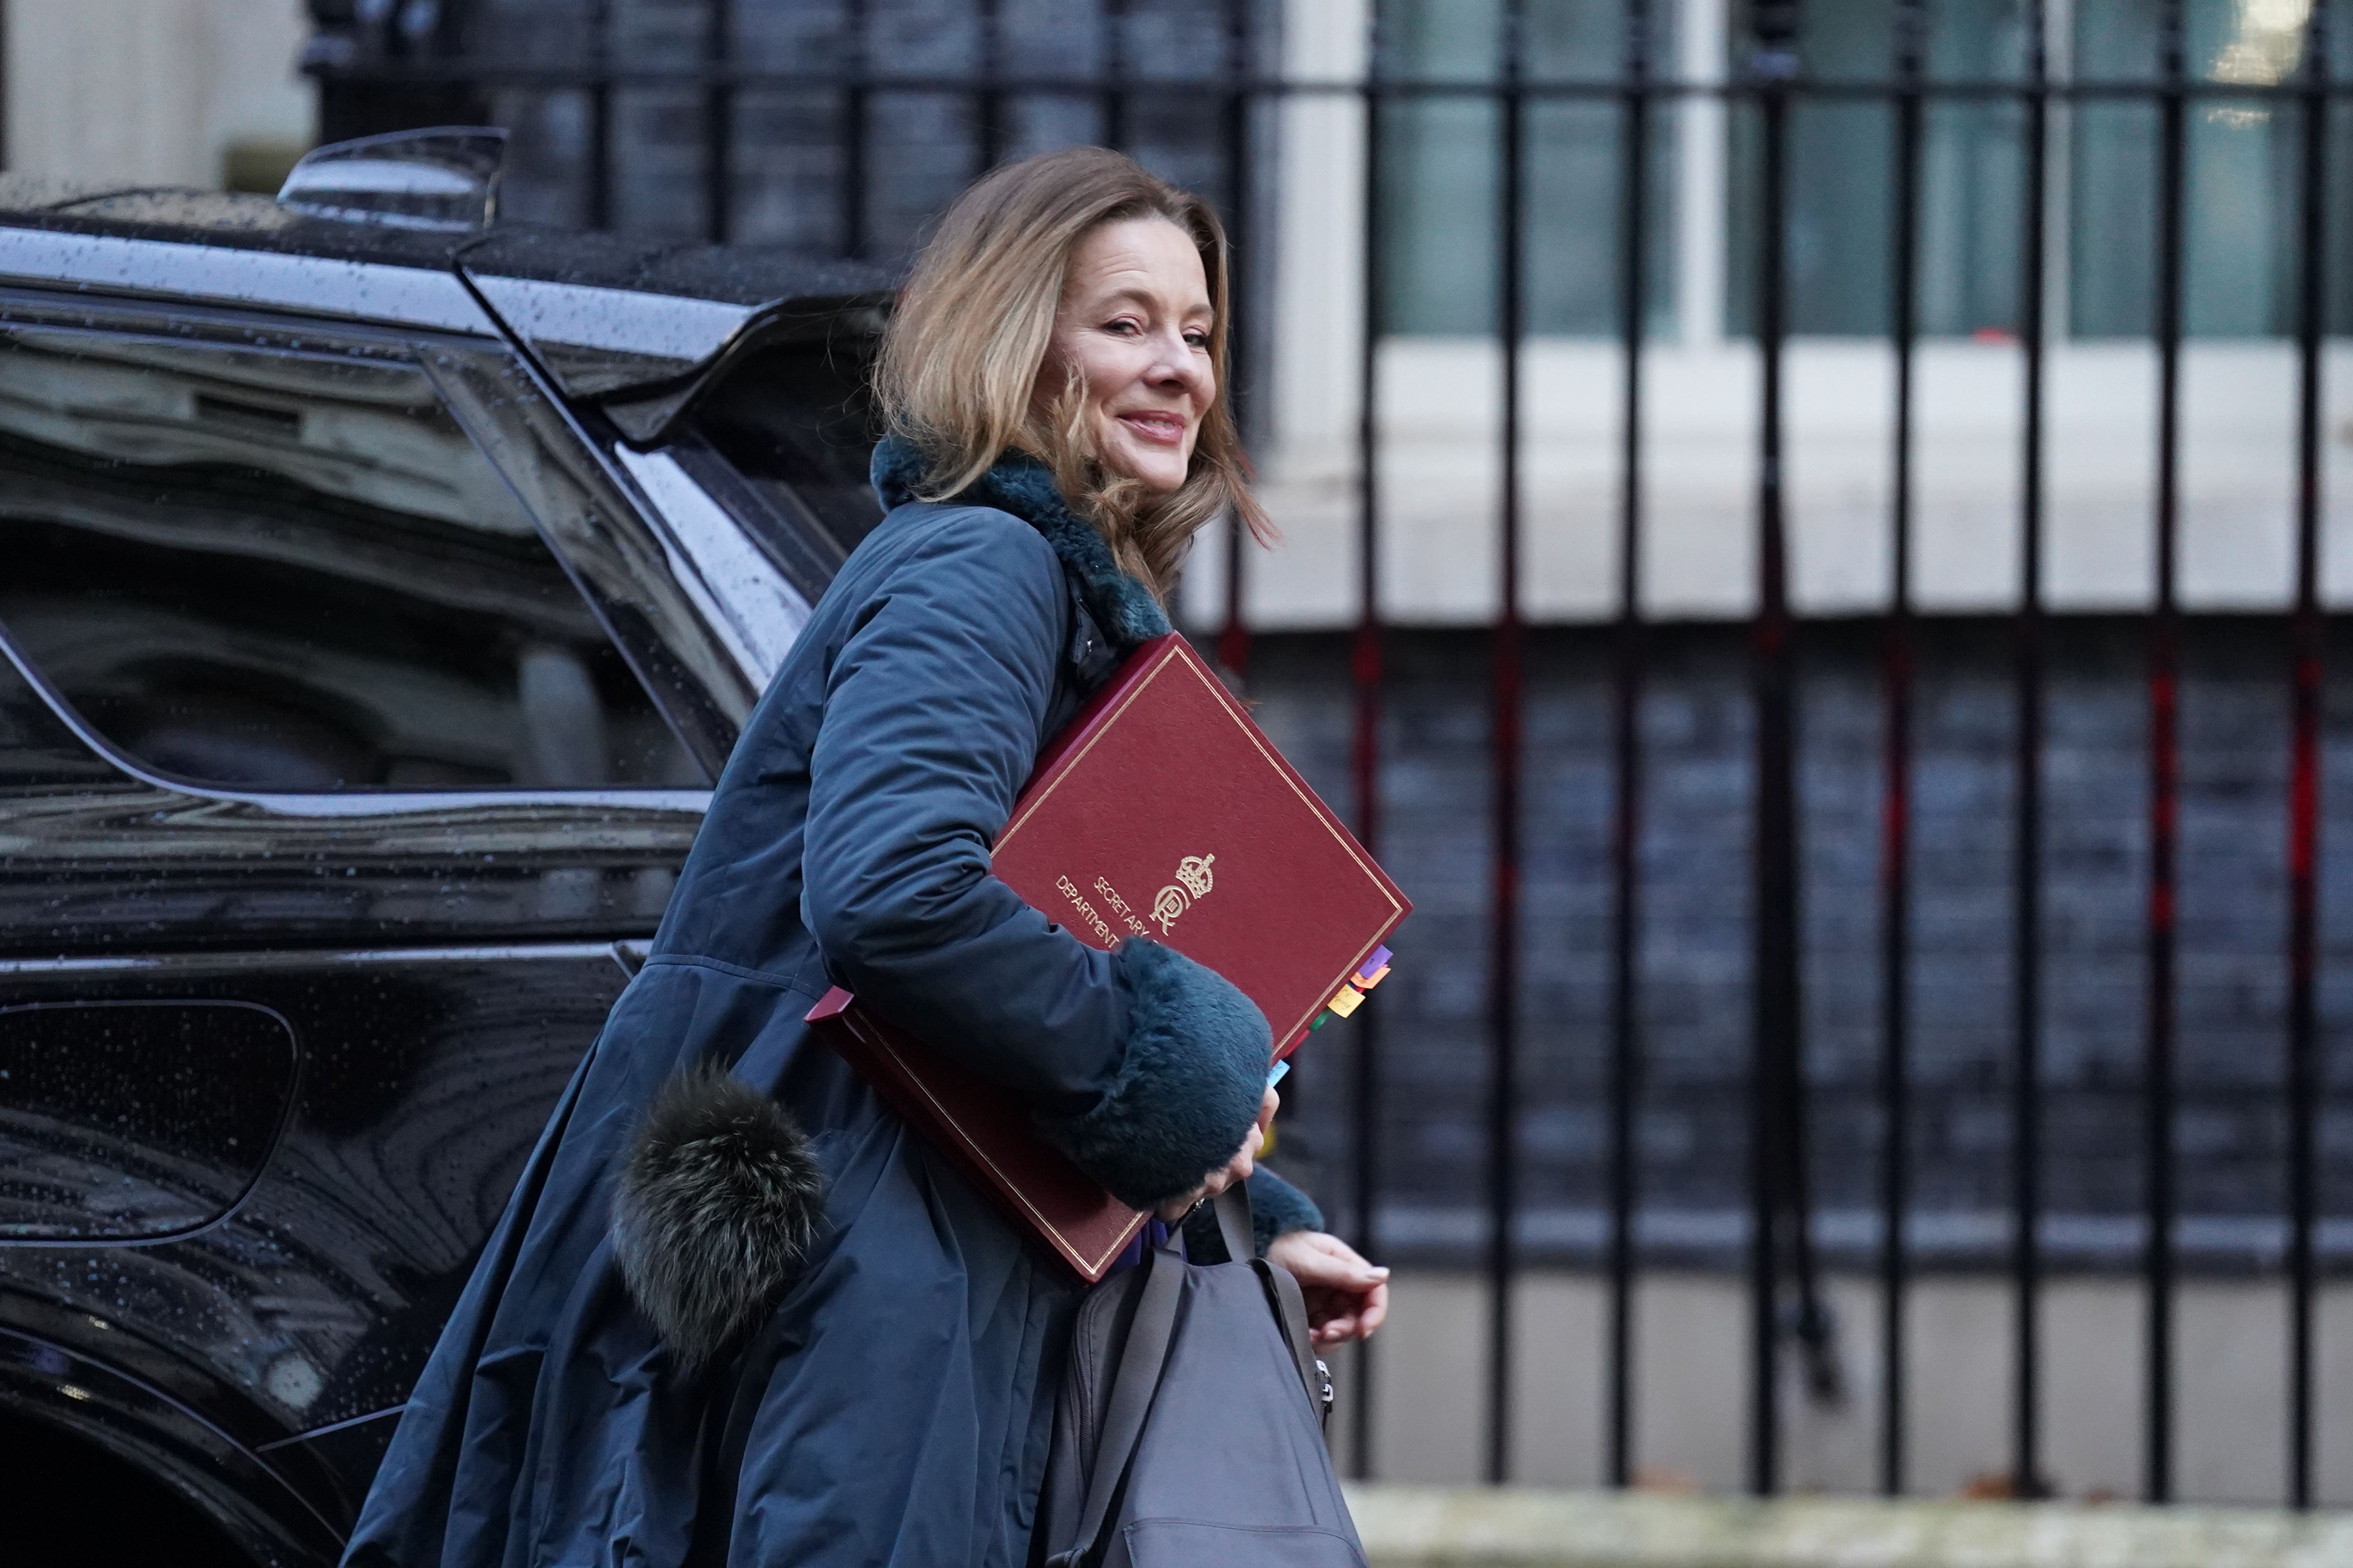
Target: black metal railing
1768,81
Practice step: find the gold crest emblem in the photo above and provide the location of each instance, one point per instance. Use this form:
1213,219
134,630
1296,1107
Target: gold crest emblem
1192,872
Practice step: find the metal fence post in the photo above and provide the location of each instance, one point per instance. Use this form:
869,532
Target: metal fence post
854,65
1774,980
2163,763
718,119
1241,340
599,204
1365,676
1506,702
2304,1083
1625,1060
988,103
2026,872
1895,837
1114,16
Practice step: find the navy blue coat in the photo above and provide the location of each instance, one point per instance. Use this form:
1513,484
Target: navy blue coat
895,1406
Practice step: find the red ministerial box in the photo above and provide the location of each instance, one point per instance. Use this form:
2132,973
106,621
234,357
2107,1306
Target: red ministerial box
1161,811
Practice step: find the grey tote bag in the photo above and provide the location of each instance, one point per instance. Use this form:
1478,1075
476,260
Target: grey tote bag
1189,1430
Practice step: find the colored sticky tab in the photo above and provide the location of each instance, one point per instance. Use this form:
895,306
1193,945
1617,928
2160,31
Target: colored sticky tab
1276,1076
1347,1000
1372,968
1321,1019
1367,982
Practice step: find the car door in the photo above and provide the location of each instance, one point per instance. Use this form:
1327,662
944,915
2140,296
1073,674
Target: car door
353,726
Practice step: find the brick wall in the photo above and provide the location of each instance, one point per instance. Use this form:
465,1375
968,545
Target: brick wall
1694,941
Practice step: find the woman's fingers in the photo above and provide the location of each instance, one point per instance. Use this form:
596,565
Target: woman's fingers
1347,1298
1338,1320
1334,1319
1326,1260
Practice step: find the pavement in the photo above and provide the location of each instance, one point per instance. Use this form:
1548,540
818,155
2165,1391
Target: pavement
1474,1526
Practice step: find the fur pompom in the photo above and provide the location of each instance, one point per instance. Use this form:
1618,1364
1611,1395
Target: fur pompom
719,1202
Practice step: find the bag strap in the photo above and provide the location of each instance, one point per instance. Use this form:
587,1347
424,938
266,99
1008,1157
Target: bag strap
1232,1208
1291,1309
1132,1386
1282,1294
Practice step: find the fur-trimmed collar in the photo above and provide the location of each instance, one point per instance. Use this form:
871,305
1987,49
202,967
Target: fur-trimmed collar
1020,484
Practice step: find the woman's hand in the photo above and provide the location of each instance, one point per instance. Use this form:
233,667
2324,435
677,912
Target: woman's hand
1237,1169
1346,1297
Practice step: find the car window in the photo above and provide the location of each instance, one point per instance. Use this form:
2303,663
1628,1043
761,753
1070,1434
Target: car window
794,422
276,571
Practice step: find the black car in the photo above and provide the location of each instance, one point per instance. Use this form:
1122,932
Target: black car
381,590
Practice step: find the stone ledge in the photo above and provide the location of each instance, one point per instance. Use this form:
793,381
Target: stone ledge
1466,1527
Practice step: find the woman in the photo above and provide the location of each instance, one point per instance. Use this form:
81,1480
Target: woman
1059,432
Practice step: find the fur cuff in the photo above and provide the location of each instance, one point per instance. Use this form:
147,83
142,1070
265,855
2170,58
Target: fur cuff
1278,1207
718,1204
1188,1083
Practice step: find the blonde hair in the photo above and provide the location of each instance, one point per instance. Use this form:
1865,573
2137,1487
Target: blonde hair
960,360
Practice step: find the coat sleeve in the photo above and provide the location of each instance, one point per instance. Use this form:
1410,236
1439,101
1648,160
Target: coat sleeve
1143,1066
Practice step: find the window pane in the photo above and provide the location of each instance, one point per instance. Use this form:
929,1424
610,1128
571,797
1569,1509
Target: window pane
2116,39
1841,171
1441,170
1438,203
1836,225
1842,40
275,571
1973,174
1972,210
2112,219
2240,209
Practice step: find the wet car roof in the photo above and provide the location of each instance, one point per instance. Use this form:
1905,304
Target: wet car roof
734,274
607,312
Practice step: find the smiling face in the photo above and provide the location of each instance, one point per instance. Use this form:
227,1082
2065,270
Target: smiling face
1134,324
